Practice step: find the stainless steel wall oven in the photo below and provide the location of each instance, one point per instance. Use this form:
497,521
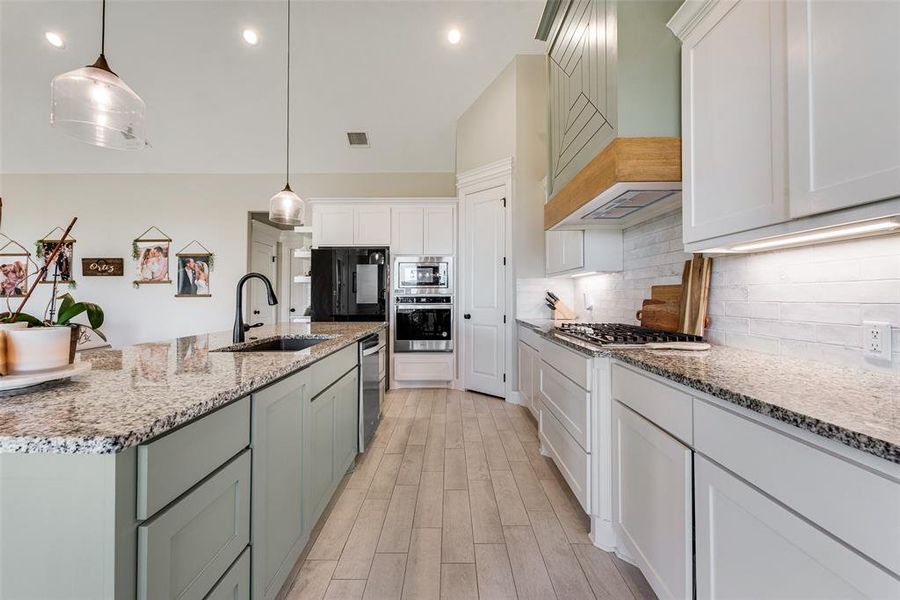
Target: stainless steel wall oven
423,324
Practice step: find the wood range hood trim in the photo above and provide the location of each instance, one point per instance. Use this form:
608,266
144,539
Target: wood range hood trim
625,159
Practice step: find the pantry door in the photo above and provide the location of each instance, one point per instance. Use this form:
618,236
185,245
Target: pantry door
484,302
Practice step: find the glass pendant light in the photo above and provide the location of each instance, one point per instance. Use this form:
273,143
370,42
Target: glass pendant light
286,207
93,105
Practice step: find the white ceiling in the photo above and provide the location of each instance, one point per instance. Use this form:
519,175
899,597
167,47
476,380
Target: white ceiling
216,105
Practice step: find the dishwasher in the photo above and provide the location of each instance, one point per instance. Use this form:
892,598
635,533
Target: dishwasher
370,392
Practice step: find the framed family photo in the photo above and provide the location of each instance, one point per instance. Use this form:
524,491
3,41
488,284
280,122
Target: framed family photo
193,276
14,274
152,261
63,262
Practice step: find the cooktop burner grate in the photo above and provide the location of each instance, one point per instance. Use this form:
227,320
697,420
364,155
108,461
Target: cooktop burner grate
619,333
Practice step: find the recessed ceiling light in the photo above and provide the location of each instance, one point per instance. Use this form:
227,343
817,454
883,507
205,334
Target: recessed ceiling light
54,39
453,36
250,37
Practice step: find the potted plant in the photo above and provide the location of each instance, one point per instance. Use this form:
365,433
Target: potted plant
33,344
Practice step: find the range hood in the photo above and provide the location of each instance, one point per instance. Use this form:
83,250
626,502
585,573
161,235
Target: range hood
629,181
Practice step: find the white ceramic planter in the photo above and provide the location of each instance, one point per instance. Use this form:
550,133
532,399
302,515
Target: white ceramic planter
4,327
37,348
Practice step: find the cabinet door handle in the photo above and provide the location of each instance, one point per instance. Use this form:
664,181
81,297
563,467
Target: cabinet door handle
255,312
293,310
467,316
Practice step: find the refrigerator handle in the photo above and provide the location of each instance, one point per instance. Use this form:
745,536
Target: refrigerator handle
353,288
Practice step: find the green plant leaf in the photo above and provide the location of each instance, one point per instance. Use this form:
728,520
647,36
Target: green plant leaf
65,315
95,315
32,321
66,301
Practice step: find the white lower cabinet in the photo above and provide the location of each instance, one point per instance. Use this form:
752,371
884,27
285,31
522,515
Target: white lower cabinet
570,458
527,357
749,546
652,504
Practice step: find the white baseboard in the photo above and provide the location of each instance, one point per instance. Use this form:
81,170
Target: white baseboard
400,385
602,534
514,397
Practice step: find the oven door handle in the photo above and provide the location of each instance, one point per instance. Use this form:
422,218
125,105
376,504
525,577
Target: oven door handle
413,307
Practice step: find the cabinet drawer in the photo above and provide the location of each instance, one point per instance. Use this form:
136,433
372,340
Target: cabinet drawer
170,465
665,406
737,526
418,367
569,403
332,367
235,584
185,549
529,337
856,505
570,458
576,367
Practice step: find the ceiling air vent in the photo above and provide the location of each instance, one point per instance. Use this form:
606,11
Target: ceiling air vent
358,139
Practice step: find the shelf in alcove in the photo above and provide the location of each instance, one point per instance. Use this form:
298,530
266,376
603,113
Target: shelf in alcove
302,254
302,279
304,319
303,229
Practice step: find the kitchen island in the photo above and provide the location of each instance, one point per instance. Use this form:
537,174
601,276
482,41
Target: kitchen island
167,467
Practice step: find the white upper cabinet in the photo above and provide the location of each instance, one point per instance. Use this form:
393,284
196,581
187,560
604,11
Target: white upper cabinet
790,112
734,119
565,251
333,225
587,251
407,233
844,94
409,229
372,225
423,230
439,226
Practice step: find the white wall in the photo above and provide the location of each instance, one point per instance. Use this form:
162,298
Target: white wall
804,302
486,131
532,160
113,209
509,119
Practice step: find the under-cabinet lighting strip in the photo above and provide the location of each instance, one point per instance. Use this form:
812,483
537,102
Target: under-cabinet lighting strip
830,234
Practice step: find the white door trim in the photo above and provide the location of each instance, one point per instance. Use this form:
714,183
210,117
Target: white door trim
475,180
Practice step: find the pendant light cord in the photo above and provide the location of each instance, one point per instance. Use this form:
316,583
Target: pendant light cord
287,152
103,29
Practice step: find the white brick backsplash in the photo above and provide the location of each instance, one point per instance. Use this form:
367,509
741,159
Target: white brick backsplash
530,295
808,302
822,312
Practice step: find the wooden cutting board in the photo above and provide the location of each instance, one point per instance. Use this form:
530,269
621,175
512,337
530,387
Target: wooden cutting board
663,310
695,294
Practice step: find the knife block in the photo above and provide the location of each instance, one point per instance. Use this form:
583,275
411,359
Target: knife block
562,312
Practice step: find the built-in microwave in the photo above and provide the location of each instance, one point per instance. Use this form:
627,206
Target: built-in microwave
431,275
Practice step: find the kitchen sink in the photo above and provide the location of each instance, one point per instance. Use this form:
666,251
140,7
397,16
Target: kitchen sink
285,344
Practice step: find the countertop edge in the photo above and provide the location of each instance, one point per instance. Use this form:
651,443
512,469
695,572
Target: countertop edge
859,441
106,445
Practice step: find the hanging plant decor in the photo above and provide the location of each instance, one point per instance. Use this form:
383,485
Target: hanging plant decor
194,269
151,257
61,270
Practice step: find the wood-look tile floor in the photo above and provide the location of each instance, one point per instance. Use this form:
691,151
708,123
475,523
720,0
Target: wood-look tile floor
453,500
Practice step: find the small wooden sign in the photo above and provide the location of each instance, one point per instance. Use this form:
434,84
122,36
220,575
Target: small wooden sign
103,267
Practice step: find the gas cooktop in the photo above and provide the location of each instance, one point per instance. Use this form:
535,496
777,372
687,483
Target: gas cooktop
619,334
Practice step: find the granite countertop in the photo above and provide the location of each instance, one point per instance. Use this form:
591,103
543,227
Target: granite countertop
138,392
856,407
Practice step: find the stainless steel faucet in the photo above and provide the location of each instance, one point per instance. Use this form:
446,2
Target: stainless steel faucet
239,327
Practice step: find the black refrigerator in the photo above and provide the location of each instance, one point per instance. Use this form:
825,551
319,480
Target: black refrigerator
349,284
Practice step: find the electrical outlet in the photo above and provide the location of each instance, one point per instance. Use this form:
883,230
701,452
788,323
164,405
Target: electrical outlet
877,340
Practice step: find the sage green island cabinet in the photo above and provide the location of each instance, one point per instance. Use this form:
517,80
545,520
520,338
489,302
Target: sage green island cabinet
218,507
277,471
